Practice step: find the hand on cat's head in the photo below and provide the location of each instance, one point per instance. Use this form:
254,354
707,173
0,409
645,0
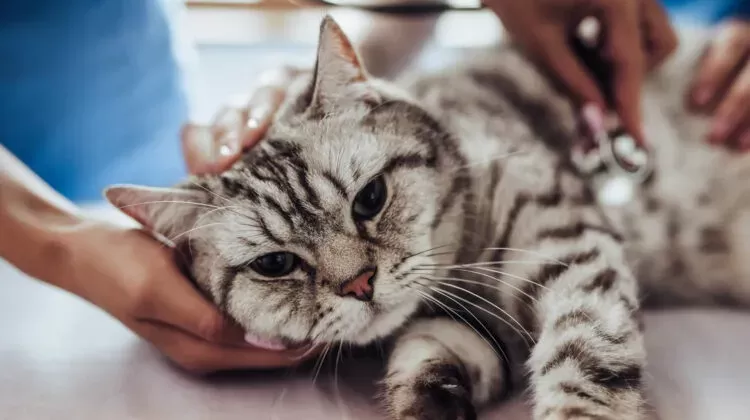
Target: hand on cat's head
135,279
214,148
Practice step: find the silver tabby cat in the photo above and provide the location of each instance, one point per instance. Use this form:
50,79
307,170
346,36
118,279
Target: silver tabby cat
443,216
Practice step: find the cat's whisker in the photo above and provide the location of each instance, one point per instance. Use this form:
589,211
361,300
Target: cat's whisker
168,202
404,259
319,365
198,220
517,277
514,296
336,390
492,278
431,299
514,276
495,348
477,282
538,254
214,193
486,263
504,312
491,159
313,347
437,254
194,229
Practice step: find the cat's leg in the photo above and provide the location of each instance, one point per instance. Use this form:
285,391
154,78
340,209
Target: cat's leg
589,356
440,369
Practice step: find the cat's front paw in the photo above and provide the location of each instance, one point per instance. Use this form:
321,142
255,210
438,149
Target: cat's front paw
441,392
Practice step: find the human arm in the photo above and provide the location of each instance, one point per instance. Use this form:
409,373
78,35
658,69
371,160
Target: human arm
123,271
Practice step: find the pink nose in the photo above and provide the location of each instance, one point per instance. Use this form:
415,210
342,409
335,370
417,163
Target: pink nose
360,287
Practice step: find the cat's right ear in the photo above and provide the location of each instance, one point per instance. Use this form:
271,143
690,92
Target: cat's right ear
167,211
339,76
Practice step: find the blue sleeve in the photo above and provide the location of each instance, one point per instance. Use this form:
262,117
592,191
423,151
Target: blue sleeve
741,9
707,11
91,92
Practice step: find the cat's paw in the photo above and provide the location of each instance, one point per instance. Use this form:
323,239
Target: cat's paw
441,392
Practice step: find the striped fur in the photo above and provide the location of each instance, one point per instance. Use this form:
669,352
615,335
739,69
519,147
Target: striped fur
497,267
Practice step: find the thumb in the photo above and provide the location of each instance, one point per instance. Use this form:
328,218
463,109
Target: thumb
176,302
560,59
624,49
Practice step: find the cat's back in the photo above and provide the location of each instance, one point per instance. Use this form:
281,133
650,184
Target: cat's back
501,109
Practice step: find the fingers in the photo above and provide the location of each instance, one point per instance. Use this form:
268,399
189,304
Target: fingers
260,111
659,37
743,143
207,153
726,54
624,49
202,357
555,53
214,148
732,118
172,299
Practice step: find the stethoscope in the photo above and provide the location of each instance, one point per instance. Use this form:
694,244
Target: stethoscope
611,147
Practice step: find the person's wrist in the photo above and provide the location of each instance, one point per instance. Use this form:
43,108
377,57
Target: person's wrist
59,246
73,248
33,239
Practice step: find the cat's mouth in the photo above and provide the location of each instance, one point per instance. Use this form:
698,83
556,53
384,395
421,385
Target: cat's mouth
273,344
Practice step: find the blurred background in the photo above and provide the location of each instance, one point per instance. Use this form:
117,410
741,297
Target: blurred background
95,92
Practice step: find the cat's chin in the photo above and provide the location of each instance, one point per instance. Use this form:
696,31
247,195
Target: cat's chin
383,324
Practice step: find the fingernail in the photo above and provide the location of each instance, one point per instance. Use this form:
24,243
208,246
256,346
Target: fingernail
702,95
593,116
228,118
228,145
258,116
201,142
745,141
720,130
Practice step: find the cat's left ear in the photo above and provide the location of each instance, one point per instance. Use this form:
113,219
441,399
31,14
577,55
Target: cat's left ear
169,212
339,75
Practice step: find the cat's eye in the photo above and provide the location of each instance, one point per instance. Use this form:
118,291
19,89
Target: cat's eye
369,200
276,264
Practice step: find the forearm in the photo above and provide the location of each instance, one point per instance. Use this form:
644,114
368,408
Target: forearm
33,220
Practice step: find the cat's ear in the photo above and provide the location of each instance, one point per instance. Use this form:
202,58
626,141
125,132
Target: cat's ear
339,74
167,211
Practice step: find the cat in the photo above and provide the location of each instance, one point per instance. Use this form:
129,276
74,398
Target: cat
442,216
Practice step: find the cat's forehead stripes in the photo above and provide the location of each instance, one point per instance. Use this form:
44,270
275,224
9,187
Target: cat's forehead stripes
302,180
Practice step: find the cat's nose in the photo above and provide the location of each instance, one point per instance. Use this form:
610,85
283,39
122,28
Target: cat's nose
361,287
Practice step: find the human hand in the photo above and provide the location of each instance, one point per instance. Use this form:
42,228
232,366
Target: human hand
722,85
637,37
135,279
214,148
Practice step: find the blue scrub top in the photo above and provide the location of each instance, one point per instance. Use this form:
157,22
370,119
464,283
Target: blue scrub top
707,11
91,94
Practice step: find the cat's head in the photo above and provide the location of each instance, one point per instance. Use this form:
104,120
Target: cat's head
324,231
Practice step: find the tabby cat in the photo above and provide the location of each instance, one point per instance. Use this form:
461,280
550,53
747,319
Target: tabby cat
443,216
